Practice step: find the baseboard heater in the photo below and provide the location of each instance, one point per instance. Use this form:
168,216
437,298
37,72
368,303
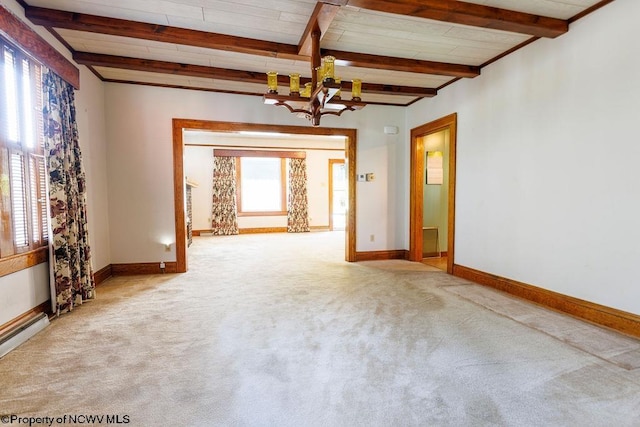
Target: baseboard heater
22,333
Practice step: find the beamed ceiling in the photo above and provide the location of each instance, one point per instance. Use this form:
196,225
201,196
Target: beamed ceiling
403,50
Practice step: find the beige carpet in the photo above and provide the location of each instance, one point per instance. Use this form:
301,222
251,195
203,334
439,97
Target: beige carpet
277,330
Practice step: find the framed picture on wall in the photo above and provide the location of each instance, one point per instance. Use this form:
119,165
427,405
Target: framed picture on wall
435,171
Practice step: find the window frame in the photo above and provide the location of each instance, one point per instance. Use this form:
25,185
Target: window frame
13,256
283,155
283,190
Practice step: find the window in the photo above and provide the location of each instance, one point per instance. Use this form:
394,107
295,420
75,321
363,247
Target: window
23,198
261,183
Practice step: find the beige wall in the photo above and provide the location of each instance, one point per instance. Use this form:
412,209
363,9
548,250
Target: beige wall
140,164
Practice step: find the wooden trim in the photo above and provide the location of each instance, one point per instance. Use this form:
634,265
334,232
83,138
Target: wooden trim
236,92
250,214
471,14
350,229
268,230
102,274
259,153
143,268
331,163
621,321
24,37
163,33
15,263
179,194
382,255
416,210
45,307
364,60
178,173
262,230
502,55
589,10
187,144
159,33
191,70
321,17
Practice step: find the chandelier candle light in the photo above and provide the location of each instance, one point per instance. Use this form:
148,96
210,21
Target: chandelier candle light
319,97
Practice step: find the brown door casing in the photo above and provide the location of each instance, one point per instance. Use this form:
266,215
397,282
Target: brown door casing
416,208
178,174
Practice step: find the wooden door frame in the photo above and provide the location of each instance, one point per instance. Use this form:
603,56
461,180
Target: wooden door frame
331,163
179,179
416,204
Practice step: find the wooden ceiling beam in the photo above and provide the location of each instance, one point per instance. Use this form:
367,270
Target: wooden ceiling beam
320,20
118,27
160,33
402,64
471,14
153,66
20,33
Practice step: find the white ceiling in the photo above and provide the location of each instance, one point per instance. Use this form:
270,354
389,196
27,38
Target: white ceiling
353,29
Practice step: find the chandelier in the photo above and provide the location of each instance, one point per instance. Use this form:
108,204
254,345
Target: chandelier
320,96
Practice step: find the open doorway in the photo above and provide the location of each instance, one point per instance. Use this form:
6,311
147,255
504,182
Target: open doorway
181,219
432,205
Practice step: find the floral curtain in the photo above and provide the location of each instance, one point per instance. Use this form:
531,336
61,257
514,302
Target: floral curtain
298,206
72,276
224,214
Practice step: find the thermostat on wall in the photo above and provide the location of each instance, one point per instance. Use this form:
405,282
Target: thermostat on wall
391,130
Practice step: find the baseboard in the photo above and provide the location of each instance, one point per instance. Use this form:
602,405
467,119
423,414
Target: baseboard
102,274
45,307
262,230
142,268
382,255
621,321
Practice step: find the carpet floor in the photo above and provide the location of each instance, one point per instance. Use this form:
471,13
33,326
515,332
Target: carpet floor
277,330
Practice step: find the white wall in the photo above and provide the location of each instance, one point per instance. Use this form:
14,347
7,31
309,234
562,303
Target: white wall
26,289
547,162
141,164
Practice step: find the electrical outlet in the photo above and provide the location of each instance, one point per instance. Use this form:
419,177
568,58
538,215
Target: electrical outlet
372,238
162,265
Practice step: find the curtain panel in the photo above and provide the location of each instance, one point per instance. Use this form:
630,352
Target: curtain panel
224,213
298,205
72,275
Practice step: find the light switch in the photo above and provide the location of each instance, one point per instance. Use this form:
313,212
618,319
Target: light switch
370,177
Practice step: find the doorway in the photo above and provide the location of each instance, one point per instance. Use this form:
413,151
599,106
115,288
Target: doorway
179,125
338,194
439,229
